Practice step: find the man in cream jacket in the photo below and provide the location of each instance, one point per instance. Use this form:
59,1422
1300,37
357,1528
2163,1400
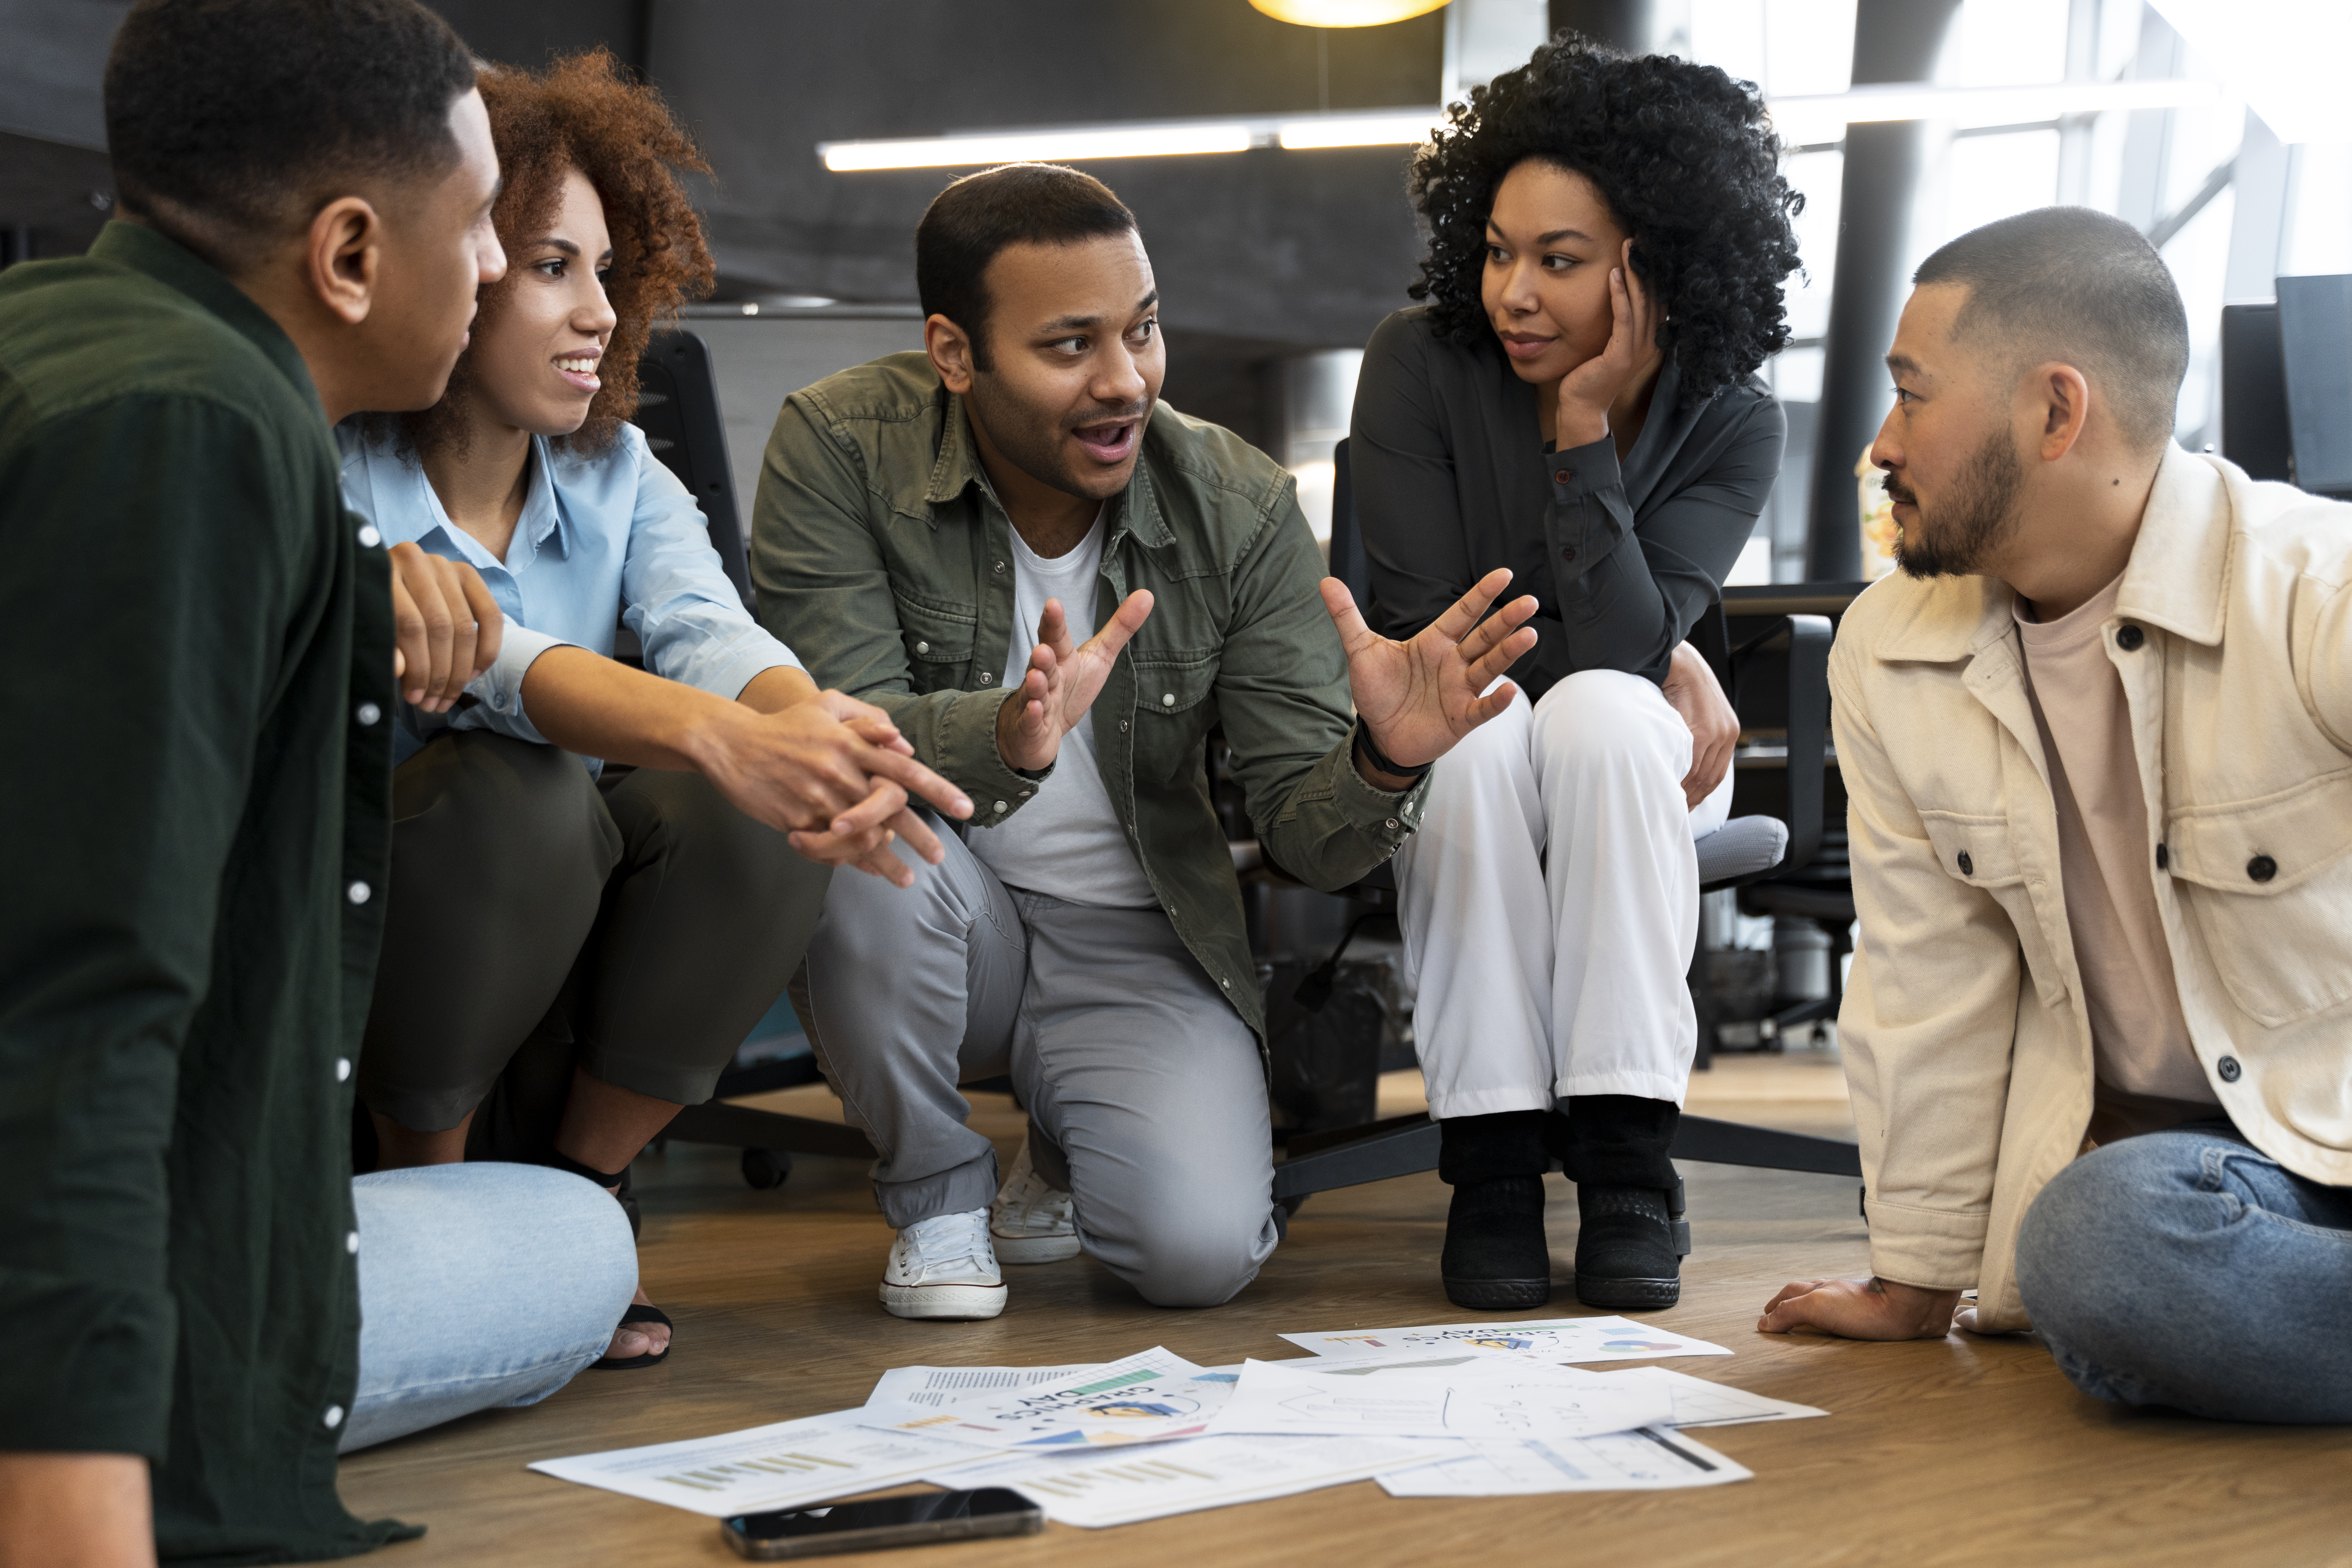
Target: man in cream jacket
2094,735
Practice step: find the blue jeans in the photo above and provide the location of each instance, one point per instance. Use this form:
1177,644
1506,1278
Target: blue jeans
480,1285
2187,1268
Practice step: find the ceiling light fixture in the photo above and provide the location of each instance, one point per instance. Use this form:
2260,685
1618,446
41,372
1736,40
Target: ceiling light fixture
1346,13
1801,122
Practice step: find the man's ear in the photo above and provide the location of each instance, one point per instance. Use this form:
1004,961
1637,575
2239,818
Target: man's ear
343,257
950,351
2061,401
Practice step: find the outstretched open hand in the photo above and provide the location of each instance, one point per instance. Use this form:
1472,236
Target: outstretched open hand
1062,682
1419,697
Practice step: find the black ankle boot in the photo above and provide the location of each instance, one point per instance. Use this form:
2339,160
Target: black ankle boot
1495,1257
1630,1246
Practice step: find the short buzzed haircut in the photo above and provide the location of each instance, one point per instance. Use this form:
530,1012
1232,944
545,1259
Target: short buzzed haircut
231,122
980,214
2079,286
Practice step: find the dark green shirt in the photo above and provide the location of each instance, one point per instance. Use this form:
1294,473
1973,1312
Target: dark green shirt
197,817
884,561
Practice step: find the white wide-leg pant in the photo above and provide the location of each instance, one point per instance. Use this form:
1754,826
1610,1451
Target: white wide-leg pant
1551,902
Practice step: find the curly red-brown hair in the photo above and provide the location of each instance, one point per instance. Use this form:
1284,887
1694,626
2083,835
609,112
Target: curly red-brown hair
583,112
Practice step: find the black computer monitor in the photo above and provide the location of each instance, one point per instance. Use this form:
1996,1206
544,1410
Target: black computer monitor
2287,385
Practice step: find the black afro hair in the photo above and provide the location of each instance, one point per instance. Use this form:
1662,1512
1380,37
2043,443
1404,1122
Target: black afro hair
1685,158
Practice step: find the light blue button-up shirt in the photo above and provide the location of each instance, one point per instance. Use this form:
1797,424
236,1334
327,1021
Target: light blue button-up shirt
604,540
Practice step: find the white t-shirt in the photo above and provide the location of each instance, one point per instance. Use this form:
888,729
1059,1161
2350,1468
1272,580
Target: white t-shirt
1065,844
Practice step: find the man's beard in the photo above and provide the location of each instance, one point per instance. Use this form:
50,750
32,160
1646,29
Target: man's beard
1981,514
1027,441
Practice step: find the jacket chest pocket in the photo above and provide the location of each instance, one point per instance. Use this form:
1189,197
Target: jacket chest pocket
939,644
2268,884
1174,705
1982,852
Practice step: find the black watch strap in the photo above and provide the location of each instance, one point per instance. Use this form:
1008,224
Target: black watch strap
1371,753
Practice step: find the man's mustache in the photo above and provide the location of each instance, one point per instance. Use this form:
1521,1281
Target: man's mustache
1136,411
1897,490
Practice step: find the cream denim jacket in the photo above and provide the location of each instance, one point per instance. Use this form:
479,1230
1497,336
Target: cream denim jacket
1966,1040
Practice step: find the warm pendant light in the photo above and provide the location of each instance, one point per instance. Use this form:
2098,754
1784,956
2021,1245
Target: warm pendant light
1345,13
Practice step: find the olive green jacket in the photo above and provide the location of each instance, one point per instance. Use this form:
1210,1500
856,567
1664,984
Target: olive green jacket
884,561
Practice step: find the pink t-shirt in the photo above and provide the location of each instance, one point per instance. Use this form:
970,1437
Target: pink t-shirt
2149,1074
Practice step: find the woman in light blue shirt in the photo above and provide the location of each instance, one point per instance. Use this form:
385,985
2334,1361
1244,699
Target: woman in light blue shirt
574,949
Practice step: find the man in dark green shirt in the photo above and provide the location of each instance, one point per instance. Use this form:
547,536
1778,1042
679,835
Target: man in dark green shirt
204,648
941,534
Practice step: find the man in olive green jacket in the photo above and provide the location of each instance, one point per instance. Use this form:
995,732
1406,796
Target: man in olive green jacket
940,535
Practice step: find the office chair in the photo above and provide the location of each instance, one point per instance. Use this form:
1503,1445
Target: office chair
678,409
1781,665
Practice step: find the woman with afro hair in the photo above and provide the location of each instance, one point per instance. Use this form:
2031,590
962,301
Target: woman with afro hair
1575,401
574,950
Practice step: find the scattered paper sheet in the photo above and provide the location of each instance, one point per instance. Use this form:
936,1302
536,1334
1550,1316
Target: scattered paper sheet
1094,1492
1149,1397
937,1385
1483,1397
781,1464
1554,1339
1698,1403
1643,1460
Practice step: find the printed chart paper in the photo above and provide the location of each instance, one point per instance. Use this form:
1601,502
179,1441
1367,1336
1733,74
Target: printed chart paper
1698,1403
1484,1396
937,1385
1553,1339
1149,1397
1644,1460
781,1464
1094,1491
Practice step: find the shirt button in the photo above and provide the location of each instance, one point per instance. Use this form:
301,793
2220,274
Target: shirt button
367,713
2128,638
1968,866
1226,983
358,892
1568,555
333,1418
922,647
986,678
1000,806
343,1068
2261,867
370,538
352,1243
2163,858
1563,475
1026,793
2229,1068
1168,699
1392,822
1000,568
1122,726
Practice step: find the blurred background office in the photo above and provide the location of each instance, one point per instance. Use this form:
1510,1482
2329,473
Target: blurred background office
1262,144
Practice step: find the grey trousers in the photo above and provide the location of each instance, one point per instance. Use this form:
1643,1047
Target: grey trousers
1145,1092
538,919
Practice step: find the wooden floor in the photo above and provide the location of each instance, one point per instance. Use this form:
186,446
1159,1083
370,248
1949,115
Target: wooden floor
1963,1451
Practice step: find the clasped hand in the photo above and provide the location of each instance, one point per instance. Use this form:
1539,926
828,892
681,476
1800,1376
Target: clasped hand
446,627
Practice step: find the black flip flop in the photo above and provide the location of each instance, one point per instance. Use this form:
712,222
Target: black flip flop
639,1313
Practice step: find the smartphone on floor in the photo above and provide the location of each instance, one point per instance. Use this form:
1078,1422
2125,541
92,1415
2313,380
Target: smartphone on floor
886,1522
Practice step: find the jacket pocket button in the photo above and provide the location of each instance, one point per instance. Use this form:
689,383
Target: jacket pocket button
2229,1069
2128,638
2261,867
1968,866
2163,858
922,647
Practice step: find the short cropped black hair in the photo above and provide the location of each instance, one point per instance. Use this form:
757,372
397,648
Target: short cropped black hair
230,121
980,214
2071,284
1688,164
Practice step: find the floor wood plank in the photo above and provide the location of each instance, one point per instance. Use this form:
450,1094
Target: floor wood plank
1961,1451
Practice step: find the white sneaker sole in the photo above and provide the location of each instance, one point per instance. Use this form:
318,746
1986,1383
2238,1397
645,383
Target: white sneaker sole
1033,1248
951,1302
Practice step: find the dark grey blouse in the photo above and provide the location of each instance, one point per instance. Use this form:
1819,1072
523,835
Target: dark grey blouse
1451,479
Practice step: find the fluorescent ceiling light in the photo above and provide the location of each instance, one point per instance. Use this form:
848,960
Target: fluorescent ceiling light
1799,120
1345,13
1068,144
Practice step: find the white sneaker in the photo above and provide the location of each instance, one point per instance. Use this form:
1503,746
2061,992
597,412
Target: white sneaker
944,1267
1030,1222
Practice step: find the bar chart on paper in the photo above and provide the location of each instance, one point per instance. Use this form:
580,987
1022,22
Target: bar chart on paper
778,1465
1206,1472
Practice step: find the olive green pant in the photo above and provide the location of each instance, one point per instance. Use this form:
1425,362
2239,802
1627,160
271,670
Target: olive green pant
540,920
